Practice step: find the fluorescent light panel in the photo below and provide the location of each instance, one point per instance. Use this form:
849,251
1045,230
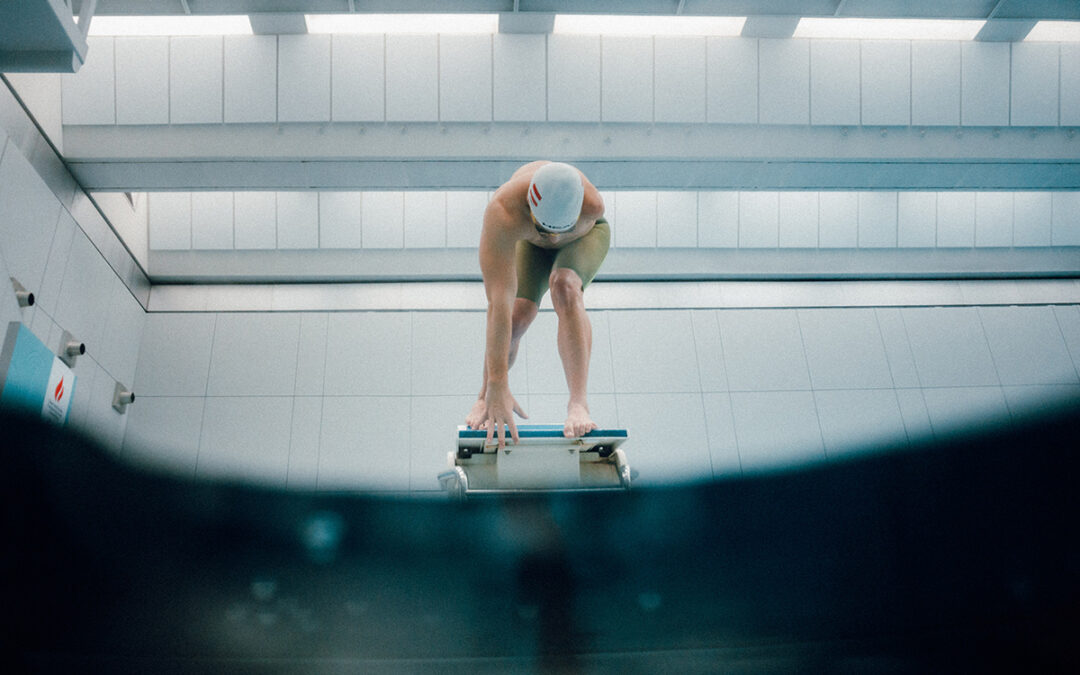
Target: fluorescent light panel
170,25
607,24
403,23
888,29
1054,31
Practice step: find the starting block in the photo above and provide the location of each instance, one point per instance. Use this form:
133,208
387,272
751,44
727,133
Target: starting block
543,461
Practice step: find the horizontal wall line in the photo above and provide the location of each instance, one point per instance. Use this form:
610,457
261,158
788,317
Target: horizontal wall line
469,296
622,264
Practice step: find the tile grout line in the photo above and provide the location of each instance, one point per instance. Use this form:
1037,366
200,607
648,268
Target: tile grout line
1074,358
993,362
614,384
918,376
412,337
701,395
292,408
727,388
892,377
322,402
206,397
806,362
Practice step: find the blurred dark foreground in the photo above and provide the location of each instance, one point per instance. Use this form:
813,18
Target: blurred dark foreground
958,557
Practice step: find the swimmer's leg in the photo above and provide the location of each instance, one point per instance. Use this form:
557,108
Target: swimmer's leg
575,266
575,347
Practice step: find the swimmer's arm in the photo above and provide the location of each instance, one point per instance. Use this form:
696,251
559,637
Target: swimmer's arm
497,248
592,206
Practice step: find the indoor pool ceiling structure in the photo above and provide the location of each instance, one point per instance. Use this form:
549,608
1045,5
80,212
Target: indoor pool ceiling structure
705,148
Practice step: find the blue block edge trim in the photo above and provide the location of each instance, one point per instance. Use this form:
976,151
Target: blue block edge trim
544,431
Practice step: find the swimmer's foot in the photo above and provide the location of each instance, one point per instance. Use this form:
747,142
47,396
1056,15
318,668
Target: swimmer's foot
475,418
578,421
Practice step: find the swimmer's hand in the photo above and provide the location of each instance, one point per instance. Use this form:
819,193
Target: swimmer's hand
499,413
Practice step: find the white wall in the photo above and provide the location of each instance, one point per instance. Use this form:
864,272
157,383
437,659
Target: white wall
370,400
649,219
40,92
75,289
420,78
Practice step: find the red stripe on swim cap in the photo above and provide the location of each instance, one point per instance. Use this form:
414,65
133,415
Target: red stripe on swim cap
536,192
533,200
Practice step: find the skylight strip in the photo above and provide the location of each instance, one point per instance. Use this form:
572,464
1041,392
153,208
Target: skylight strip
888,29
170,25
607,24
1054,31
460,24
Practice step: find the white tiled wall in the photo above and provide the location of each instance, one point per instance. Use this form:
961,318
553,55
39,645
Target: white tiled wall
627,79
412,78
303,78
370,400
686,219
572,78
195,80
75,290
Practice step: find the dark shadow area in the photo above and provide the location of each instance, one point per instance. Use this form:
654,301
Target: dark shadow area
954,557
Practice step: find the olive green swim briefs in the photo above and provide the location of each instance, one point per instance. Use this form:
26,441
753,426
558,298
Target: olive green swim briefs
534,264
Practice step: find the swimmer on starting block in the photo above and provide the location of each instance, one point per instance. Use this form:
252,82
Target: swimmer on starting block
544,228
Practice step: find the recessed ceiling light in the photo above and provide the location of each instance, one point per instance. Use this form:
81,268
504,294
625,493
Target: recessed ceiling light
403,23
1054,31
170,25
606,24
889,29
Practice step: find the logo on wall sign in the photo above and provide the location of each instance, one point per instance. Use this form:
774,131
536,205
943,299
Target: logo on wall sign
58,393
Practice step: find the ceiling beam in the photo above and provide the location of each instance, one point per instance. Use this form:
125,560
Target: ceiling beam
770,26
138,176
1005,30
954,9
526,22
278,24
433,156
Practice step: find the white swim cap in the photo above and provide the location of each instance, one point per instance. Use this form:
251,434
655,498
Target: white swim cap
555,196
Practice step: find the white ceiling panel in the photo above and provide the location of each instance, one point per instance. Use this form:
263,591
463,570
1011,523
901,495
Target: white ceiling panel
1035,85
732,86
90,98
196,72
255,220
994,219
412,78
627,79
358,78
142,80
520,72
784,81
984,83
465,78
211,220
935,83
680,79
303,78
834,82
250,78
798,223
573,78
297,220
886,82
